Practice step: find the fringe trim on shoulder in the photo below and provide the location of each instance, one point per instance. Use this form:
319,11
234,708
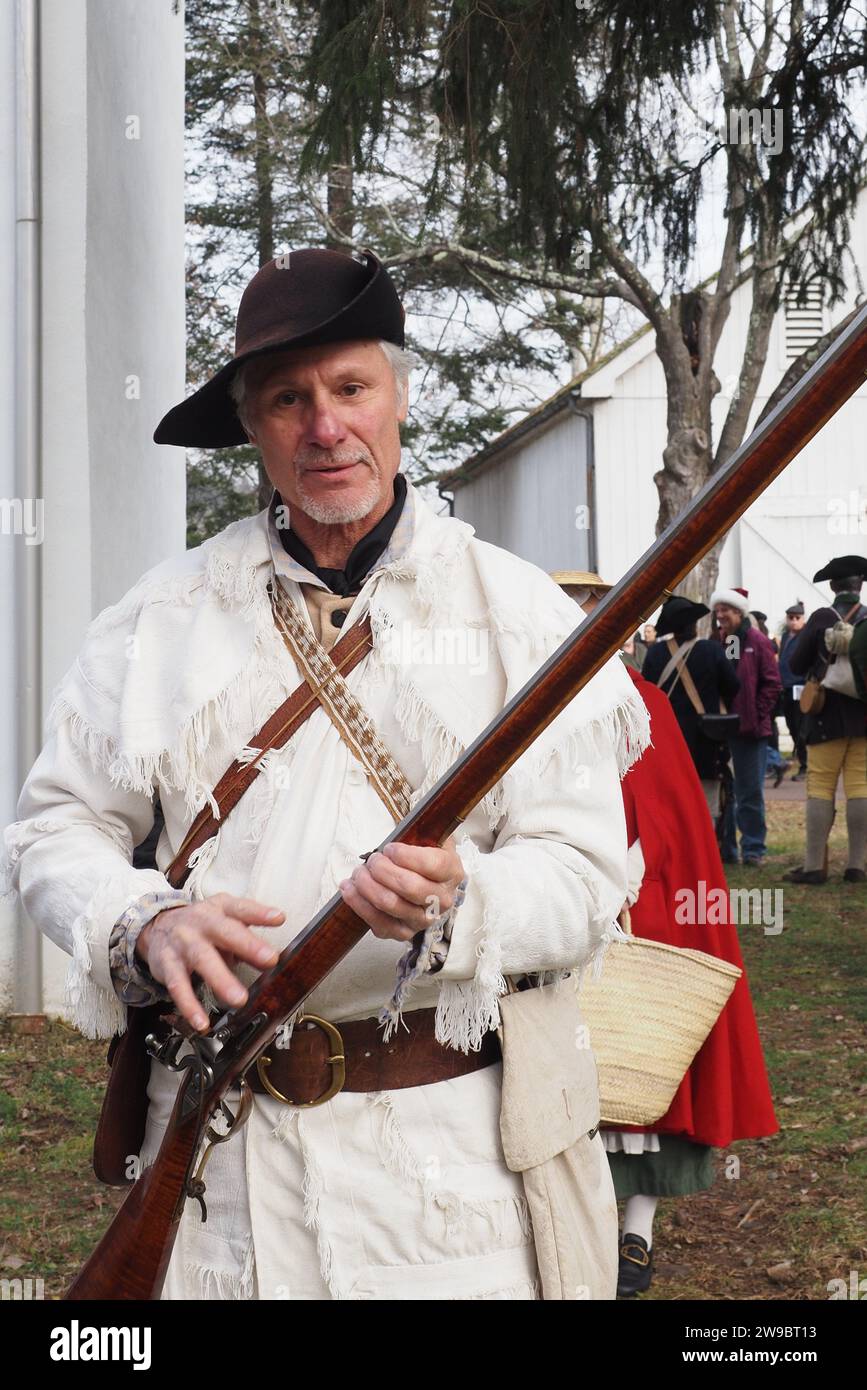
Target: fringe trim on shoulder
440,747
625,727
433,578
176,589
541,640
266,678
219,566
237,585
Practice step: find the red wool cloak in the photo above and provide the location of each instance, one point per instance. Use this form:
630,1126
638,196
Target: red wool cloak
725,1093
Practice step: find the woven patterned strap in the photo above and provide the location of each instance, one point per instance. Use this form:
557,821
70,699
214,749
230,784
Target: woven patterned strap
352,647
351,721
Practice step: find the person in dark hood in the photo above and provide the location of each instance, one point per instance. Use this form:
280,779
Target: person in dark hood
695,675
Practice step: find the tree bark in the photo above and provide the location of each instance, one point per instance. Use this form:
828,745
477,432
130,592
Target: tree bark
264,155
341,211
687,458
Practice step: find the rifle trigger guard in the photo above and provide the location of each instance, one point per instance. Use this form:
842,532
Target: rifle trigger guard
196,1187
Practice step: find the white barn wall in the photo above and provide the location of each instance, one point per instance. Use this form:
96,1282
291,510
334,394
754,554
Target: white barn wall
626,429
527,502
112,306
136,294
8,671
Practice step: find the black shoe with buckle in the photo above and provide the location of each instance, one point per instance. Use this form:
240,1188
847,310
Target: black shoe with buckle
855,876
636,1266
801,875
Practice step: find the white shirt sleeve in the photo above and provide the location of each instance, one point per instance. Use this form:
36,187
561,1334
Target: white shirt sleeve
70,857
546,896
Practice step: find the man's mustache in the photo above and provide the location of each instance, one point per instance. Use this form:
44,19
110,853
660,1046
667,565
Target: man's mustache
333,458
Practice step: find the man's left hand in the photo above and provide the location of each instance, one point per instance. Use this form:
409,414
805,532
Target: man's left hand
401,889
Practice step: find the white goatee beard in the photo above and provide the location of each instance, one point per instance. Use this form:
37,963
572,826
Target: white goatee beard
337,511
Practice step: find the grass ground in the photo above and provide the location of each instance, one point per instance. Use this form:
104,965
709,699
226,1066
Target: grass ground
794,1219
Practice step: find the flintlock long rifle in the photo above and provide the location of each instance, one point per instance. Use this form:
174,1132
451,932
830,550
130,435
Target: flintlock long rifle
131,1259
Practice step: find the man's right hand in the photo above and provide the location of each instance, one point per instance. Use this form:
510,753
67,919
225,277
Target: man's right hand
206,938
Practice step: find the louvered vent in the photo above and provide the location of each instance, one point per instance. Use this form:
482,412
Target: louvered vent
805,319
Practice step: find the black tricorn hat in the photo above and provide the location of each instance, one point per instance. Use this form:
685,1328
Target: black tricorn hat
843,567
299,299
677,613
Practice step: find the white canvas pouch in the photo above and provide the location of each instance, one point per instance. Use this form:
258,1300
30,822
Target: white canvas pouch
549,1126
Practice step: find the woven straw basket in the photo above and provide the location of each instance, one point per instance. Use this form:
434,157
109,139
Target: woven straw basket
648,1014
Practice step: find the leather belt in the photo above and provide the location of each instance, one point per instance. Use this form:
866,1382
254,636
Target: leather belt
323,1058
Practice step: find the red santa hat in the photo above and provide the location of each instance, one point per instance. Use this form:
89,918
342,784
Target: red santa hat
735,598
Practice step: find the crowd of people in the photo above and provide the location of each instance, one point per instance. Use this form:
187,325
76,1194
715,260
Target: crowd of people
714,703
729,690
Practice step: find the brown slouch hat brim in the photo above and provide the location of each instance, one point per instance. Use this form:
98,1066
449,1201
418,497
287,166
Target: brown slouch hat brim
299,299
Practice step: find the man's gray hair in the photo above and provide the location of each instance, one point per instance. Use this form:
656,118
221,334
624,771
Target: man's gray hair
400,360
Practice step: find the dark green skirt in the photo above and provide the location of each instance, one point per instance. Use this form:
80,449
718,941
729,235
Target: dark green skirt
679,1168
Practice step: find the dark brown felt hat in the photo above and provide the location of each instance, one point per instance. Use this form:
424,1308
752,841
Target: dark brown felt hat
299,299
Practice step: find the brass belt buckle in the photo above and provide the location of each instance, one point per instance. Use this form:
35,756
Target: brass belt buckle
337,1062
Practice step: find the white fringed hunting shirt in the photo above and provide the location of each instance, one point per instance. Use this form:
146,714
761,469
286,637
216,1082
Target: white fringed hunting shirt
400,1194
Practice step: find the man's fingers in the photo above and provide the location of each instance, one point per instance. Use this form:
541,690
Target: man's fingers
248,910
438,863
230,937
203,958
386,901
177,981
405,882
380,923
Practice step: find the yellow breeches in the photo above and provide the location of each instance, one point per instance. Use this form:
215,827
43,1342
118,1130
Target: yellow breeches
825,762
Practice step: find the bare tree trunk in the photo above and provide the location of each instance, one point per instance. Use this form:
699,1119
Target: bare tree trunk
340,205
691,384
687,459
264,156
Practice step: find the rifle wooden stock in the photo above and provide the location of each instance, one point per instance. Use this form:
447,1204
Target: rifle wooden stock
131,1259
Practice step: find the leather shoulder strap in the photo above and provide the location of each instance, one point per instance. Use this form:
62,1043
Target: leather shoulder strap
694,697
678,658
283,723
